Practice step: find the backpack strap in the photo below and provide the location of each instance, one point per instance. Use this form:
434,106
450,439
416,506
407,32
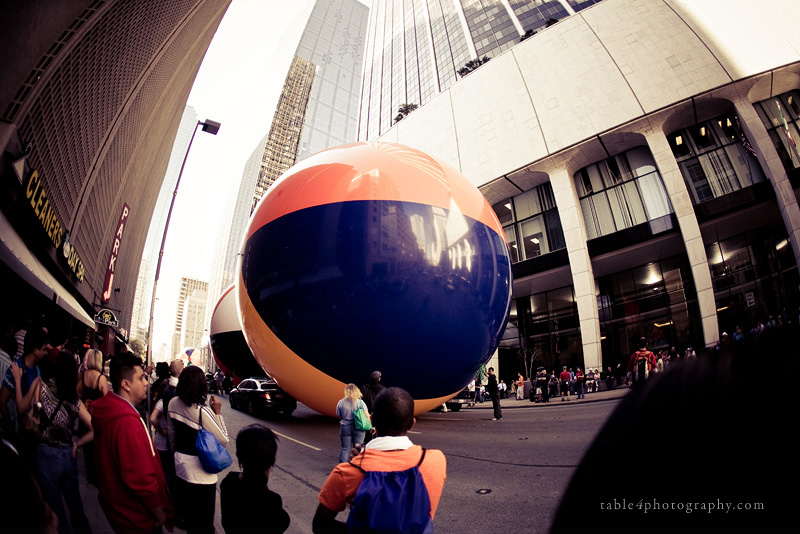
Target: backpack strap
362,461
363,471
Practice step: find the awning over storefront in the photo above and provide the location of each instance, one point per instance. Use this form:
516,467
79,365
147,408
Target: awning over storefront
15,254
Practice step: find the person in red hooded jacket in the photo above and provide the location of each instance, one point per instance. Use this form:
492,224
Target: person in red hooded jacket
641,364
133,490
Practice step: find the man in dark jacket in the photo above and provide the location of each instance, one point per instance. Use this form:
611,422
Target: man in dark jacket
370,390
491,387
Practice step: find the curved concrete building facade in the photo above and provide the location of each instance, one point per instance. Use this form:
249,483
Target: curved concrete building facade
90,101
642,158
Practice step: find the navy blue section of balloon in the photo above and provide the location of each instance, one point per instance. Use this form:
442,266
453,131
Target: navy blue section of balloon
233,352
412,290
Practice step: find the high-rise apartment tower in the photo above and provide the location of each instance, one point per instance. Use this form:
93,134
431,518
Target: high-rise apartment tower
317,109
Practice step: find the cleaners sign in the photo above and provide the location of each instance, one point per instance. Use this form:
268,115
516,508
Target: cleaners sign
43,209
111,266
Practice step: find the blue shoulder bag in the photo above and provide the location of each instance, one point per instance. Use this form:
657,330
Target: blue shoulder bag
213,456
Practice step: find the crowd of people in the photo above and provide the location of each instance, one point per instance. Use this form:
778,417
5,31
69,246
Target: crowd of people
55,402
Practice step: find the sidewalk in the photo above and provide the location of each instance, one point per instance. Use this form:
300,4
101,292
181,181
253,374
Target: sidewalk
512,402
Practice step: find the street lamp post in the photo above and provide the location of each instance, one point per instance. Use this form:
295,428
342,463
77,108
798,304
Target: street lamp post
211,127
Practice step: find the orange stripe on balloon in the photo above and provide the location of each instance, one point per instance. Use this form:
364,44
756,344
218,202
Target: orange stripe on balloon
373,171
296,376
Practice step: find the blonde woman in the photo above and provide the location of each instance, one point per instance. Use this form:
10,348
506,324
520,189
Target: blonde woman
347,427
92,386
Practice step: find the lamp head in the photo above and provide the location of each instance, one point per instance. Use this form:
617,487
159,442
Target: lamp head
211,127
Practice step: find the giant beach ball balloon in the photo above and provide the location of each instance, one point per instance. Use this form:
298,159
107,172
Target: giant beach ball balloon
227,340
187,354
373,256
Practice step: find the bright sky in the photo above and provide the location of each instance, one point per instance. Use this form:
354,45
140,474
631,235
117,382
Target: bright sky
238,86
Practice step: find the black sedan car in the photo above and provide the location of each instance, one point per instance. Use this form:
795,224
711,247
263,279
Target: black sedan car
259,395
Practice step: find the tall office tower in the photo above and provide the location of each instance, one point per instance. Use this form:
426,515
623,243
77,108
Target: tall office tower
415,49
317,109
193,320
140,316
189,287
280,151
641,157
229,238
141,308
91,97
318,105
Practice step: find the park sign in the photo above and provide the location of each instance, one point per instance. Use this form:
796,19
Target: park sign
106,317
111,266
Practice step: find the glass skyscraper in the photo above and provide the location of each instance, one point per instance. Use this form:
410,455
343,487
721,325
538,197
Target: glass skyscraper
415,49
317,109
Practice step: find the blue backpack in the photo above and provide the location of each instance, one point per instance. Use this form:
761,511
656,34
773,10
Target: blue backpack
391,502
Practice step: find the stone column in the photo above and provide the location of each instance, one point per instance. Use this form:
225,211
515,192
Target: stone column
580,265
690,230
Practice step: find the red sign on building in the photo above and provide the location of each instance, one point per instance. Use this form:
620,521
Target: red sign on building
108,285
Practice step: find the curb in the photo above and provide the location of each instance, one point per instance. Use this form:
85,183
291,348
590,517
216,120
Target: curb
513,404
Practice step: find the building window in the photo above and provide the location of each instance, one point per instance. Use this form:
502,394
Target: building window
621,192
754,275
656,301
531,223
578,5
713,158
781,116
551,329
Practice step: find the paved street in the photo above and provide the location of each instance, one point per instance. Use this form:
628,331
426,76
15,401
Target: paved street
505,474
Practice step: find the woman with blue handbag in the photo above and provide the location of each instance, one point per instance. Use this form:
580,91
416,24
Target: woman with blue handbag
195,487
350,420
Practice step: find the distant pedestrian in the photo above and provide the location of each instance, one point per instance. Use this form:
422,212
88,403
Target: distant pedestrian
571,381
480,393
641,364
542,386
242,493
345,410
564,379
553,384
579,383
520,386
371,389
219,377
494,395
609,378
